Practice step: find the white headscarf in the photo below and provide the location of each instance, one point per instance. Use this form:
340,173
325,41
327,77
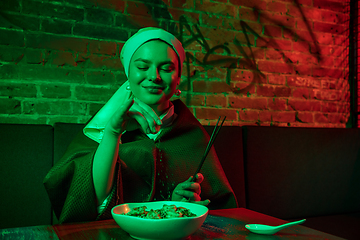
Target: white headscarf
94,129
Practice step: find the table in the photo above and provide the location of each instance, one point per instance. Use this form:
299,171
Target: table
220,224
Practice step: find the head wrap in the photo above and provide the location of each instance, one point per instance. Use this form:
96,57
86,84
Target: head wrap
144,35
94,129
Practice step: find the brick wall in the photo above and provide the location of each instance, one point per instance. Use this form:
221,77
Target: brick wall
277,62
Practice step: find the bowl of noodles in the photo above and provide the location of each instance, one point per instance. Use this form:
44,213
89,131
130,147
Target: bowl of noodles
160,220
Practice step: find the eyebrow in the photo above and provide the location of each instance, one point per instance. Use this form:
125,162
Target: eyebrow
148,61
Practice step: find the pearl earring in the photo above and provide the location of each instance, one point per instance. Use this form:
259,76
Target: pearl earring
128,87
178,92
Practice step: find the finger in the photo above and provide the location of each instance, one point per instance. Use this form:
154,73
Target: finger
204,203
138,120
145,117
119,119
150,111
199,178
191,186
188,195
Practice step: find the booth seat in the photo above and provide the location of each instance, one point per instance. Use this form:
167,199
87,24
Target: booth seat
289,173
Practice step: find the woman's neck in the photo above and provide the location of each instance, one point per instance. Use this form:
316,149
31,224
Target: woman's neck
160,109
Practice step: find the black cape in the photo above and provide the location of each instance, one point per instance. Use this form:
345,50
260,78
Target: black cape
146,170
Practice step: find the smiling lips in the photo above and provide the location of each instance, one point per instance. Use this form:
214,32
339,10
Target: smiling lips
154,89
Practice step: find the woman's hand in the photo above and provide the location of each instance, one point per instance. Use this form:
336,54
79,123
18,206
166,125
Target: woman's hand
190,191
134,114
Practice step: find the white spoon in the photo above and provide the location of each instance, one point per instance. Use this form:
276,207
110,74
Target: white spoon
266,229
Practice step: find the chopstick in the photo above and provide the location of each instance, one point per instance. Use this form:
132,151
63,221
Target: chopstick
210,143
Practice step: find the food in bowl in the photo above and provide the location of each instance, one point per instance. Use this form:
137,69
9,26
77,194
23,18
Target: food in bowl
164,228
167,211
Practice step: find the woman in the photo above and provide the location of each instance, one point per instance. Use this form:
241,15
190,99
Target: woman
140,146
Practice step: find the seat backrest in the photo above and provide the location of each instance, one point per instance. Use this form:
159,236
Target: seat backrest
229,148
302,172
26,157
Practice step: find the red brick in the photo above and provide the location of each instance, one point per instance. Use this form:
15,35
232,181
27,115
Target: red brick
89,93
329,5
303,70
303,82
333,17
303,93
342,41
305,117
278,44
100,78
190,17
243,75
116,5
327,62
309,12
328,72
276,7
217,73
243,88
216,101
248,103
329,28
211,21
286,117
329,107
50,74
243,38
274,67
210,87
257,4
11,54
62,58
136,8
300,58
271,18
277,104
324,38
10,90
214,113
304,25
193,99
276,79
273,91
49,108
301,47
329,95
265,116
321,118
248,14
35,56
272,31
94,61
13,38
187,4
103,47
272,54
301,105
249,115
55,91
216,8
47,41
251,53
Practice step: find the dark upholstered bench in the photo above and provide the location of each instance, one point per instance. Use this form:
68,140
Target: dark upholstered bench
294,173
289,173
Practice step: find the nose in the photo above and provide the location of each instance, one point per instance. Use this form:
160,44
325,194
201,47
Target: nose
155,75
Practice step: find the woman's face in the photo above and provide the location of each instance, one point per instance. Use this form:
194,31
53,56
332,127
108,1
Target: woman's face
154,74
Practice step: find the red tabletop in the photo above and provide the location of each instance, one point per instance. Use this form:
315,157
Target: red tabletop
219,224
